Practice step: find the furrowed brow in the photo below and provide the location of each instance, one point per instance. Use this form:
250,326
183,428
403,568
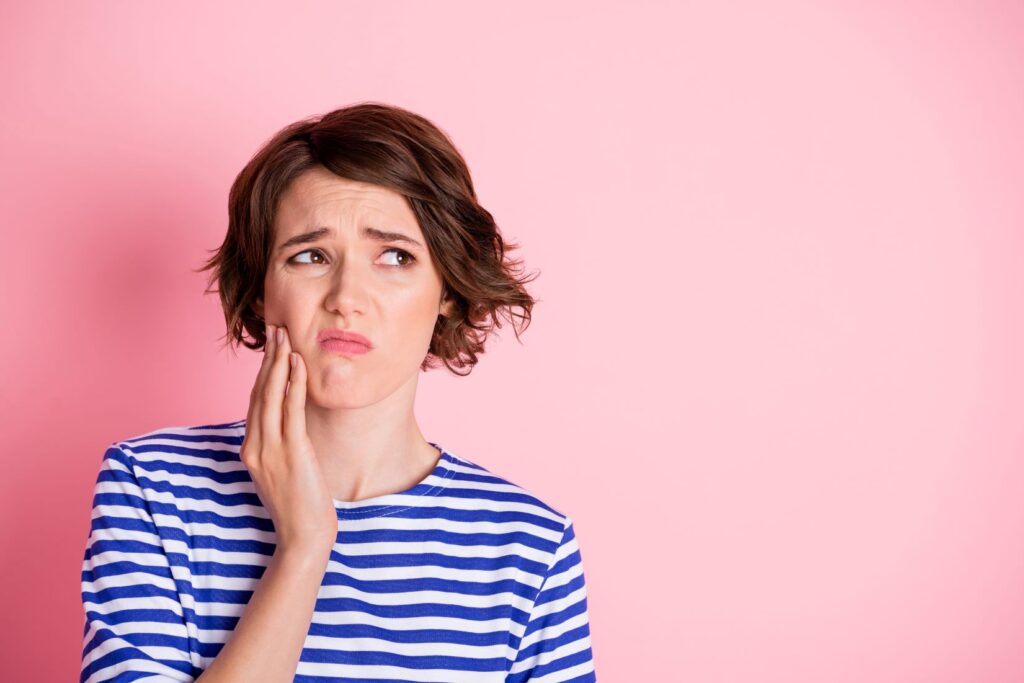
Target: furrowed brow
304,238
368,233
385,236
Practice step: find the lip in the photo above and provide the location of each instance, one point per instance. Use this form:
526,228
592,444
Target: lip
343,342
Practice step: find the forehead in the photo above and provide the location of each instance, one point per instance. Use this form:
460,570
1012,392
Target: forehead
319,197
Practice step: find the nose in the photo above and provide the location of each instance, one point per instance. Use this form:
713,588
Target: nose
347,289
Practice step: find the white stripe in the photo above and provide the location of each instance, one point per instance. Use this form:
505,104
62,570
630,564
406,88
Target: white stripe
471,551
128,579
425,649
425,597
114,605
200,458
553,632
344,617
560,605
564,577
368,574
547,657
118,533
157,560
391,672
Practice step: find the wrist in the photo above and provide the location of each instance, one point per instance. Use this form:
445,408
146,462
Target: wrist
303,556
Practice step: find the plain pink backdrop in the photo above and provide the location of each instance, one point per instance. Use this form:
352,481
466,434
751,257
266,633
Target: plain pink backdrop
775,374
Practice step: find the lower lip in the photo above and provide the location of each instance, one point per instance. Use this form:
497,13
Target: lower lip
345,348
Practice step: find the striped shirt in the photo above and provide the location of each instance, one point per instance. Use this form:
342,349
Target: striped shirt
463,577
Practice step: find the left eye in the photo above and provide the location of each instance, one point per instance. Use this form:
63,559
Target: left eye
409,258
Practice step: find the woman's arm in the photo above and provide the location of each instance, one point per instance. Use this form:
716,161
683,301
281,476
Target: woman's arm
135,622
555,645
267,641
134,619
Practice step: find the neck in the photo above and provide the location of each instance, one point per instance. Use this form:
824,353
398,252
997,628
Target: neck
372,450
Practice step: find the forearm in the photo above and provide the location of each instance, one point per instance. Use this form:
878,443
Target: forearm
267,641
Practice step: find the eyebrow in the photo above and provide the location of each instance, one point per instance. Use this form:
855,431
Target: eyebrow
367,233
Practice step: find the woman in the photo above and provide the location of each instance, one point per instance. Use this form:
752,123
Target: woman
323,537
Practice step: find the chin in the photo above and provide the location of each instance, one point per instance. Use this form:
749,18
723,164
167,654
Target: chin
338,395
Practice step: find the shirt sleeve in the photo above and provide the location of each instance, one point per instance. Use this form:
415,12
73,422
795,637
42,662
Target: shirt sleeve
134,621
555,646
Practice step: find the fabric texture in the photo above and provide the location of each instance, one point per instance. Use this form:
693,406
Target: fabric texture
463,577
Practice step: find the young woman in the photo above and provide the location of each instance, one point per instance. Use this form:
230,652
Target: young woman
323,538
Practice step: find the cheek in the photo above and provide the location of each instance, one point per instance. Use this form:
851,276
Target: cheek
411,327
286,302
274,296
426,316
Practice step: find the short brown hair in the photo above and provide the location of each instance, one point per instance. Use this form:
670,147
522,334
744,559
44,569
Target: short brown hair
391,147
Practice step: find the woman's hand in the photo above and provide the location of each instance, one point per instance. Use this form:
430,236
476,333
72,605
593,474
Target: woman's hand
279,454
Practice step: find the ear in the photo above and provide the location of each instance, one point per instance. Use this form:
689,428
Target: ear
447,304
257,306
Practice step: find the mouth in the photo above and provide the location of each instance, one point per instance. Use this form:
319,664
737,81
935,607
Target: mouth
345,347
345,342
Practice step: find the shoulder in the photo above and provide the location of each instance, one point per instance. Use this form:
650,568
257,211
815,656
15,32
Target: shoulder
164,459
187,433
483,487
185,441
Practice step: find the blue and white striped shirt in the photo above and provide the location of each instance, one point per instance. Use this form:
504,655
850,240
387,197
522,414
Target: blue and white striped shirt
463,577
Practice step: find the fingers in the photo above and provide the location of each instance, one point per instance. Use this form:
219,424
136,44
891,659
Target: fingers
252,418
295,401
273,389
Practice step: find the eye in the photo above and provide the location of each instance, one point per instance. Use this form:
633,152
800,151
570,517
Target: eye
409,258
308,251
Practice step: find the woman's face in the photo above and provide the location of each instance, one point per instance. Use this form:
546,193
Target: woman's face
351,278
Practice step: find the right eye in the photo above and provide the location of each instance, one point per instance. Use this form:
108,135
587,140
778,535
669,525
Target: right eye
308,251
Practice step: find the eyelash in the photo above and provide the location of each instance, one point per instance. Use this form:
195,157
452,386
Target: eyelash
410,258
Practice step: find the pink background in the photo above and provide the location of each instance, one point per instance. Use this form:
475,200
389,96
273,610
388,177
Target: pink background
775,375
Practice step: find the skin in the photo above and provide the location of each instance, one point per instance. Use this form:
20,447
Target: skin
359,410
266,643
321,425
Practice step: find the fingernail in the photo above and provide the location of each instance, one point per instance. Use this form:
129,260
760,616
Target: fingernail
280,335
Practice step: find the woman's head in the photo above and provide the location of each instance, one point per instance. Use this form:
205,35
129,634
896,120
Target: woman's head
353,174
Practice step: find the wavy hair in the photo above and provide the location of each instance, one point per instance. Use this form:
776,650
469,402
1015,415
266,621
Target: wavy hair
397,149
